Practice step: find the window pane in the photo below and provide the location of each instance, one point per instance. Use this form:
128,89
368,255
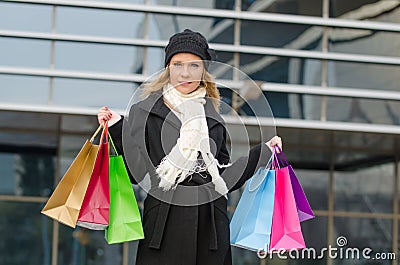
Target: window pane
358,9
95,57
26,234
365,189
24,53
163,26
27,121
88,93
84,246
293,7
27,163
363,110
315,186
25,89
363,75
108,23
367,42
154,61
25,17
280,35
361,233
372,143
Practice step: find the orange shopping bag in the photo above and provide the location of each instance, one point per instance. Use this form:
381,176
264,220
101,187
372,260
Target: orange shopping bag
65,202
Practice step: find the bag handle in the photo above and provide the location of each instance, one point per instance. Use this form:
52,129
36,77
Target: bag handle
284,162
277,162
257,185
112,143
95,133
104,134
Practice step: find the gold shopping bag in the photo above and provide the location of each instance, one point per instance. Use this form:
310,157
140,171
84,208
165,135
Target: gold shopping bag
66,201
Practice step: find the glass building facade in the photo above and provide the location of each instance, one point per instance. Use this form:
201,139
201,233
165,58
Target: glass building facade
329,69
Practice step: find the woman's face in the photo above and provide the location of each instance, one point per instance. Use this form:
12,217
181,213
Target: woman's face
185,72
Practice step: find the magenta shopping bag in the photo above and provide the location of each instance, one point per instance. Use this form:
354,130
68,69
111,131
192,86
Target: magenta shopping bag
303,207
94,213
286,230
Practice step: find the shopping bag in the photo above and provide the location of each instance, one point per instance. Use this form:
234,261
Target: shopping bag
250,227
125,222
286,230
65,202
303,207
94,213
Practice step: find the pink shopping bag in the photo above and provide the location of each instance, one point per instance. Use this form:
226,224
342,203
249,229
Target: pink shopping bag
286,230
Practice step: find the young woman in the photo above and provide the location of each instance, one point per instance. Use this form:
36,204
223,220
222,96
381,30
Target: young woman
177,136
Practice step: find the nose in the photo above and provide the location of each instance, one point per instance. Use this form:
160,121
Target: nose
185,71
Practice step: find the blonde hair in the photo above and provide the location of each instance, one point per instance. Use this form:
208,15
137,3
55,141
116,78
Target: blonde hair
207,81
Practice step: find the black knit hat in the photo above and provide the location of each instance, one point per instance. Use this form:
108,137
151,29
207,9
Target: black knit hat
188,41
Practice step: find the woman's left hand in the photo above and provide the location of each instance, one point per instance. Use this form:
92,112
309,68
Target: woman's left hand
276,140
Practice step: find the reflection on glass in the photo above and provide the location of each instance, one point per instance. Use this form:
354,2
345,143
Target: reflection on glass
294,7
363,42
26,174
370,142
315,185
162,27
366,188
363,110
27,164
362,75
25,234
361,9
84,246
281,35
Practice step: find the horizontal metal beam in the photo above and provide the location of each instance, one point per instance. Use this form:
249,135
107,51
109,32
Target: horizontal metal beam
267,87
313,124
230,120
345,57
332,91
226,14
136,78
81,38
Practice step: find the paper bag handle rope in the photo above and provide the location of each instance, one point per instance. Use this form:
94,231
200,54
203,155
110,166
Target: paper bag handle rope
112,143
254,186
95,133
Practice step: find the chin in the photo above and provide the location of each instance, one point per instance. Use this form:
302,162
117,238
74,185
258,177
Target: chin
186,90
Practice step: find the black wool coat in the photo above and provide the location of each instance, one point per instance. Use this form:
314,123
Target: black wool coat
179,231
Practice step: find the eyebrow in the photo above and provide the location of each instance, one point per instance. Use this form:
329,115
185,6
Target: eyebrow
191,61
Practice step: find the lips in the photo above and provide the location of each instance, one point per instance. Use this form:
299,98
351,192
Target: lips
184,83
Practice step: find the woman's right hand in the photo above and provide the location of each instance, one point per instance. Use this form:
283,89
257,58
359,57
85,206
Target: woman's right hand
106,114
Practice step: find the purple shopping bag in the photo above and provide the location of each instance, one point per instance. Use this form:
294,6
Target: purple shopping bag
303,207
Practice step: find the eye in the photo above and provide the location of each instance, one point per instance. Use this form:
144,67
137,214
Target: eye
195,65
177,64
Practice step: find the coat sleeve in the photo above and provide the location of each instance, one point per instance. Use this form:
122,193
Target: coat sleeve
244,167
133,136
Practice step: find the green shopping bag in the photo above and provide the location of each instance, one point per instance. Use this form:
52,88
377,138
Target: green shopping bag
125,223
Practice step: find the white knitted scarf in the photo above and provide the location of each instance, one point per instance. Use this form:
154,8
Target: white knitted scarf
183,160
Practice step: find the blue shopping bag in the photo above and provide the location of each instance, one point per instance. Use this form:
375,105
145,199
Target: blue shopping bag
251,223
